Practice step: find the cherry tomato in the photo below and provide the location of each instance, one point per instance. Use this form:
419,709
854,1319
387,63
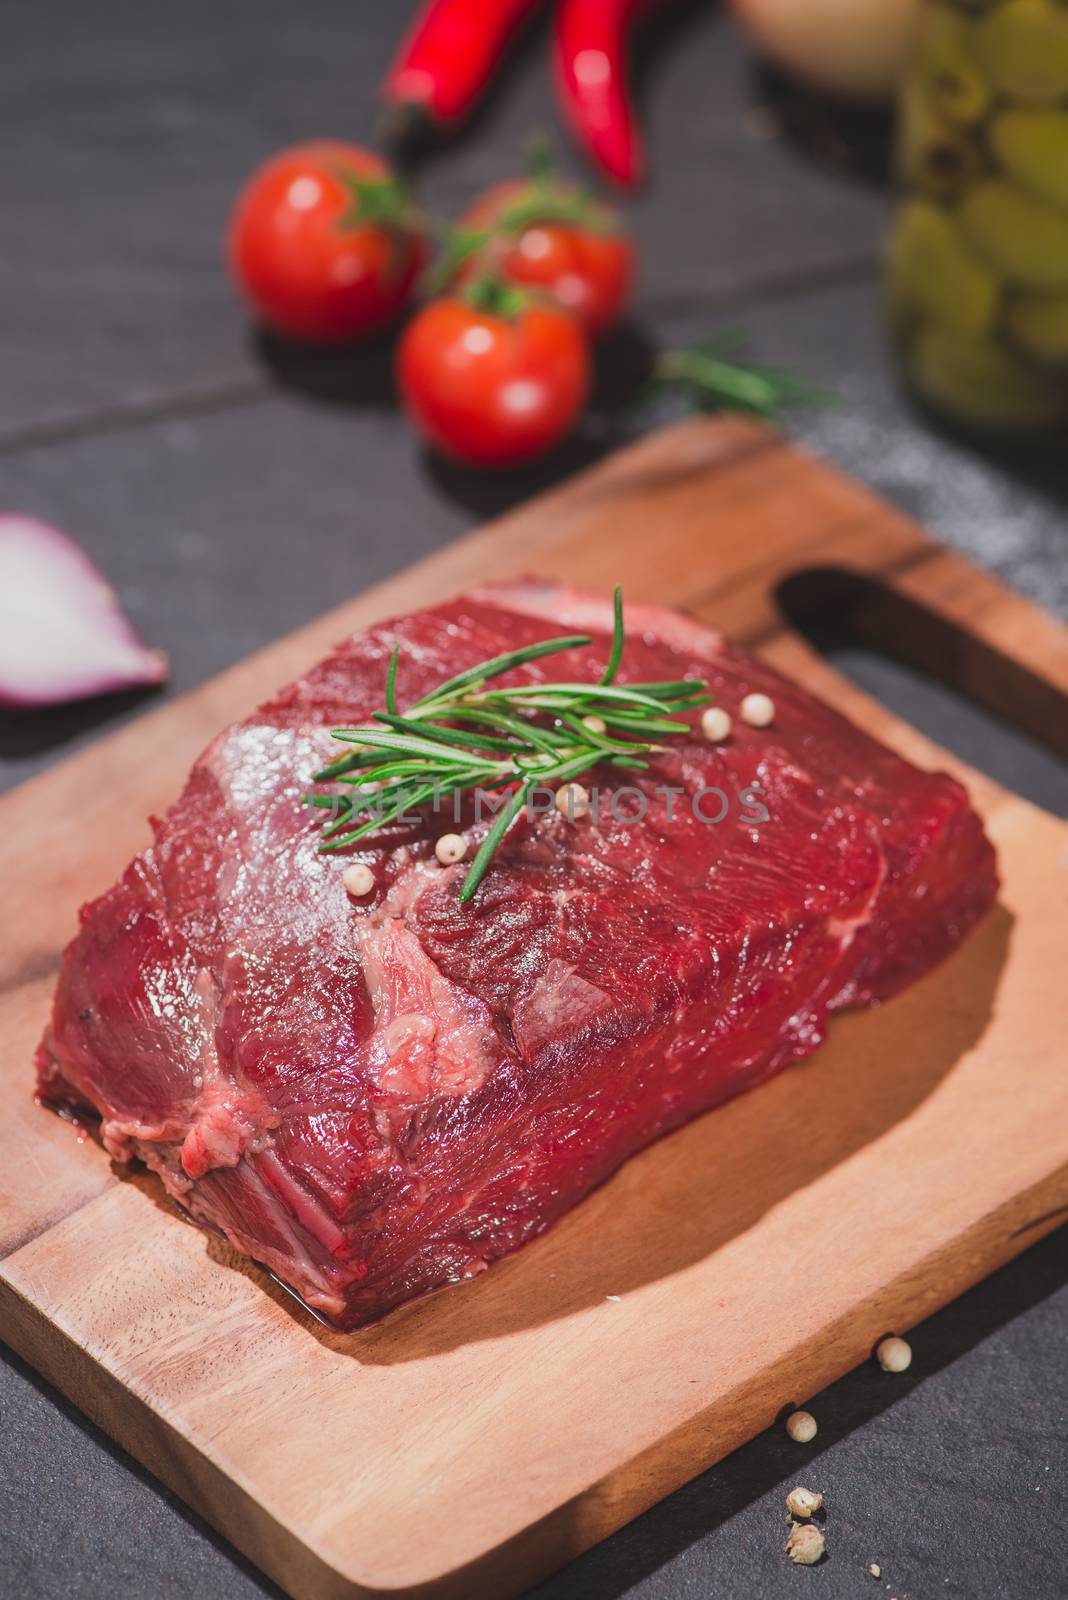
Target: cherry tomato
323,244
493,386
556,238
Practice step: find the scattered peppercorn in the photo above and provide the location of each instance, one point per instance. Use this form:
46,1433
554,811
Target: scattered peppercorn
758,710
450,848
806,1544
893,1354
801,1426
358,880
573,801
803,1502
716,724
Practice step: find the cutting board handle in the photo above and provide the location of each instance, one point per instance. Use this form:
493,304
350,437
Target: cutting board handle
982,607
955,622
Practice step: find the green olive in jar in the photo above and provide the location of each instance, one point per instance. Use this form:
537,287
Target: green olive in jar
977,252
931,267
1022,239
1022,50
947,74
1031,146
936,158
981,382
1038,325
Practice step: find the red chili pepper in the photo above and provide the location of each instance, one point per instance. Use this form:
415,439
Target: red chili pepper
591,82
448,56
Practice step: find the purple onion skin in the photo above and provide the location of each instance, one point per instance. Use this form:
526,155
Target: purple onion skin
63,633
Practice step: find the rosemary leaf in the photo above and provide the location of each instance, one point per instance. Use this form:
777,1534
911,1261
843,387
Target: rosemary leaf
446,735
487,849
499,665
617,638
520,727
408,801
551,695
391,681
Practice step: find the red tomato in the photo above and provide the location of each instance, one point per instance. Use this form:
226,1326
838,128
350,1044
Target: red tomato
555,238
323,244
493,387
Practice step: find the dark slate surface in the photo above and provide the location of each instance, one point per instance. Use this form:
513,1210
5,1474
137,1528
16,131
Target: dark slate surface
136,124
232,491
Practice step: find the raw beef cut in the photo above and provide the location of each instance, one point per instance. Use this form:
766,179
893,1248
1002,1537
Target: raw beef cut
378,1097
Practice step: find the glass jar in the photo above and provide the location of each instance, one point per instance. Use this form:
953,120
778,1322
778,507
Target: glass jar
977,258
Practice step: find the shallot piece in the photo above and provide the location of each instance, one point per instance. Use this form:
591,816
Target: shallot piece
63,634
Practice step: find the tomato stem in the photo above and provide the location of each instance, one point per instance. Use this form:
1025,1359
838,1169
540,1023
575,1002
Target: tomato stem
543,201
490,292
555,203
381,203
541,160
460,245
539,207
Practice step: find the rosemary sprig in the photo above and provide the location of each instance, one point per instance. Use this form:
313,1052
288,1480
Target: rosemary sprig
465,735
711,377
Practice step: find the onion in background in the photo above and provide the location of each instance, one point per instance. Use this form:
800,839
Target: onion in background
63,634
852,48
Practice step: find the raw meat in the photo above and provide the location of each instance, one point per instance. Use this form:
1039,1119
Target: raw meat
375,1098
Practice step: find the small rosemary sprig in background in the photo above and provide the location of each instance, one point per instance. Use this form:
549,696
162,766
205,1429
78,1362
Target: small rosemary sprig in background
710,376
465,735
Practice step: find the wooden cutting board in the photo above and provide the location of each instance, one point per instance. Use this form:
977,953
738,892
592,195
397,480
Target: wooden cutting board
470,1444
